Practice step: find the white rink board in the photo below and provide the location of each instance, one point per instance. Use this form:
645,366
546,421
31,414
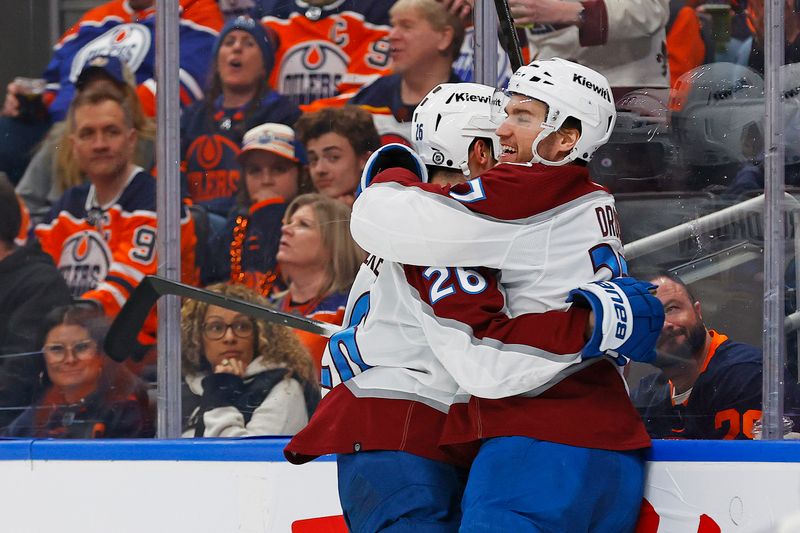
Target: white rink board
740,497
163,496
221,486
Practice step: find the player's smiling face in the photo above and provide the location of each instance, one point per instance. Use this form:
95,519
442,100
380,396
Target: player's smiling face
239,61
520,128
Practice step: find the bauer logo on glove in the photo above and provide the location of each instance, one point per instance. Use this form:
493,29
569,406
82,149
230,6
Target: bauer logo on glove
628,319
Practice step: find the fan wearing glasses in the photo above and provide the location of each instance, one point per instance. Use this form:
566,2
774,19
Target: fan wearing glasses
242,376
83,393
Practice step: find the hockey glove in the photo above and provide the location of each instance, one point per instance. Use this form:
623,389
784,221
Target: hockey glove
390,156
628,319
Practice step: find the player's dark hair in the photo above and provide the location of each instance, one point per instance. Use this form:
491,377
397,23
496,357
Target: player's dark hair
488,142
11,218
351,122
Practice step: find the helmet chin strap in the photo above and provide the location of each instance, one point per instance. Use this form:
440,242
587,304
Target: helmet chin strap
548,129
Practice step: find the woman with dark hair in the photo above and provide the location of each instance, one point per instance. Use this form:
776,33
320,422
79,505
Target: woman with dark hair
242,376
83,394
318,260
238,99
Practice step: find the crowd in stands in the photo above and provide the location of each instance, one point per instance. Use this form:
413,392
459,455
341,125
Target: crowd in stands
283,102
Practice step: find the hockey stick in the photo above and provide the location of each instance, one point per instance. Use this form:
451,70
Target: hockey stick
122,342
508,34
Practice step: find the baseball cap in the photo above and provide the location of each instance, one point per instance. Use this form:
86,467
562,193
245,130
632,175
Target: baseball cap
276,138
111,66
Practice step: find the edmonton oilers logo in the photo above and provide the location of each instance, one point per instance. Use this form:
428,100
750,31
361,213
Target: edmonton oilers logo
312,70
207,152
84,262
129,42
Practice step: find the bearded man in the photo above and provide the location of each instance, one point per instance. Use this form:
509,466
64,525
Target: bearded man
708,387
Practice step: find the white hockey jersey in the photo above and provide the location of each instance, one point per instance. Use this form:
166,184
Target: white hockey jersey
422,331
544,245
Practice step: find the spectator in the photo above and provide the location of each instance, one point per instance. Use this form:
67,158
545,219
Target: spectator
687,47
791,35
243,376
84,394
53,169
624,41
319,260
327,46
30,286
708,387
423,33
102,234
238,99
338,142
274,173
122,28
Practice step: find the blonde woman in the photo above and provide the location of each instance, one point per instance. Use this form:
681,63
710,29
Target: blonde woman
318,260
242,376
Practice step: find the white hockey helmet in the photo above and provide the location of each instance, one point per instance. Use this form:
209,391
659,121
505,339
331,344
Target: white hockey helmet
717,114
448,119
569,90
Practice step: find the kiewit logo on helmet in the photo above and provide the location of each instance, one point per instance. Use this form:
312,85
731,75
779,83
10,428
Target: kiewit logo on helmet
467,97
602,91
724,94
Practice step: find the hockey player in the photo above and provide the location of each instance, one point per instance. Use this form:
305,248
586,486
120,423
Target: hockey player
540,398
393,379
454,134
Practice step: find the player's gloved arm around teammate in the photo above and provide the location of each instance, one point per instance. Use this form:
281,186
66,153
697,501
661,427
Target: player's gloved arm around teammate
628,319
400,217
